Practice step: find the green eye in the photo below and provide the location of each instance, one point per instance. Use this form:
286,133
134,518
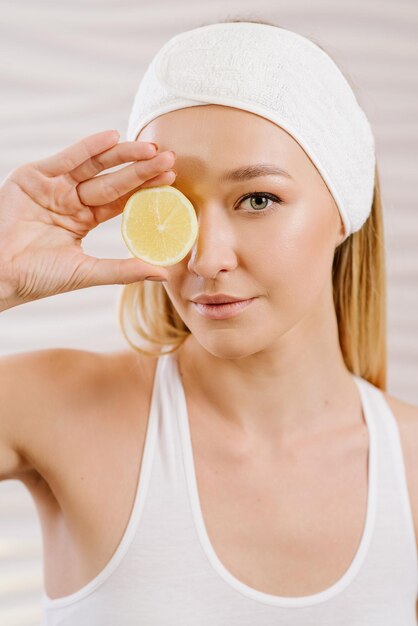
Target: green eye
259,205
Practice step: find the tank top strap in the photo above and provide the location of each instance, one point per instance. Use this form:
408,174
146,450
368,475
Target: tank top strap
164,411
394,505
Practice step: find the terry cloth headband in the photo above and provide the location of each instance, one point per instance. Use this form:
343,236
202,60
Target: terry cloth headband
281,76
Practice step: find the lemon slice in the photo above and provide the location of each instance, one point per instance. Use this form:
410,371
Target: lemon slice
159,225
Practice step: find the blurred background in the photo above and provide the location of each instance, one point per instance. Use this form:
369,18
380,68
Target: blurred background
69,69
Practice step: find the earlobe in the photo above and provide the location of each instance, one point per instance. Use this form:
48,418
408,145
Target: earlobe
341,234
340,237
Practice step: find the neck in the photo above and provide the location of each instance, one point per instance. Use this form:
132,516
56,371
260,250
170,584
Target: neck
294,389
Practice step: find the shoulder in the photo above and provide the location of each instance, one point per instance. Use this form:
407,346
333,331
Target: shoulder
33,387
406,416
60,395
89,383
79,377
37,372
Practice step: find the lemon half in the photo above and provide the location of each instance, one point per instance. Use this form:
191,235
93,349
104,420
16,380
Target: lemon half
159,225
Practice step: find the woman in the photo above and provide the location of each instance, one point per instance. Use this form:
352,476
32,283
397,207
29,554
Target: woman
251,471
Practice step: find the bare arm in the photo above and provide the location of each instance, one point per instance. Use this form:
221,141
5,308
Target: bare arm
36,389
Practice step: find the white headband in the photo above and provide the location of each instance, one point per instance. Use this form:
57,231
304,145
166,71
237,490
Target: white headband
281,76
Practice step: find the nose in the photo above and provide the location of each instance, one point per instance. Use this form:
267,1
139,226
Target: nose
214,248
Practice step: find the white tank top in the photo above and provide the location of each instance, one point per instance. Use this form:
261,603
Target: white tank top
165,571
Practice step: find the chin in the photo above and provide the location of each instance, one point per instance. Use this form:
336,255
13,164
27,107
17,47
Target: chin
228,343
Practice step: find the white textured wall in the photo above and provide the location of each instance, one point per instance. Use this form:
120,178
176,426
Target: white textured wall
69,69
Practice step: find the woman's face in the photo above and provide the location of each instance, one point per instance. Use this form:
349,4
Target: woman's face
277,248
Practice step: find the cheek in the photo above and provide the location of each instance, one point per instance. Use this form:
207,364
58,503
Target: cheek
172,289
297,264
178,289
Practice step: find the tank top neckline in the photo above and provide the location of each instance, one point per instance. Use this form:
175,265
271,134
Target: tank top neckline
193,492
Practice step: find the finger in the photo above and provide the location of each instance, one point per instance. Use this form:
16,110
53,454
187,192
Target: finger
121,153
117,272
112,209
109,187
68,159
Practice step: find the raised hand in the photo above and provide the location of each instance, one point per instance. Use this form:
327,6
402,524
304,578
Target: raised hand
48,206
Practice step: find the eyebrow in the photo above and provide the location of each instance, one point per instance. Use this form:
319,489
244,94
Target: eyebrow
253,171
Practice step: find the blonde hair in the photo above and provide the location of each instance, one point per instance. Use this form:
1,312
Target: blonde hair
359,290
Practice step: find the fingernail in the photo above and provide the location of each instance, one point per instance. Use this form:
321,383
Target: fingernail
154,144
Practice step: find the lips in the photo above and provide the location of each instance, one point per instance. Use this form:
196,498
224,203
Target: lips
222,311
220,298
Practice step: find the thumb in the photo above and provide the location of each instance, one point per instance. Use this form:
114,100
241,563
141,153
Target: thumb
119,272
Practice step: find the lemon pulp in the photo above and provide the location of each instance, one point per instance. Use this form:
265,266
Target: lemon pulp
159,225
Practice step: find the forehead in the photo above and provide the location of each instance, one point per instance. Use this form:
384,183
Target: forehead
215,120
224,134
